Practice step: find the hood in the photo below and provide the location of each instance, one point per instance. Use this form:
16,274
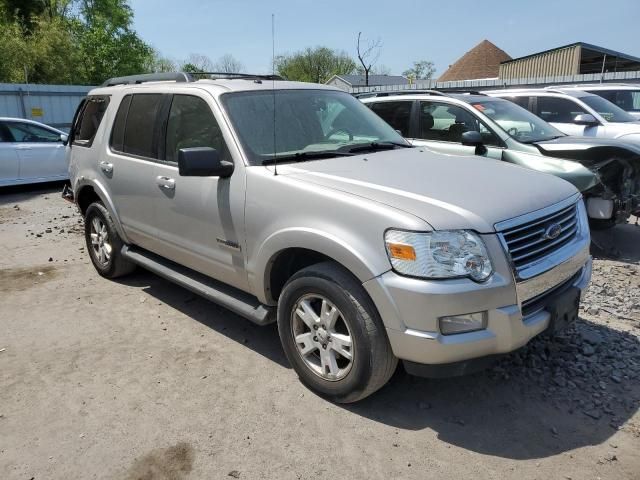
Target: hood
568,143
446,191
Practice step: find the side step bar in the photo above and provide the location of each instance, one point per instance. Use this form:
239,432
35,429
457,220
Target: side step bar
229,297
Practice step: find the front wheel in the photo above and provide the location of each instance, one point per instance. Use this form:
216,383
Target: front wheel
332,334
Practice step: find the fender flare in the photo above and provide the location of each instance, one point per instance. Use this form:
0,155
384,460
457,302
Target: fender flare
106,201
318,241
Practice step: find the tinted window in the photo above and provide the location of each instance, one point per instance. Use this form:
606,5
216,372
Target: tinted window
628,100
5,134
192,124
89,120
607,110
26,132
522,101
560,110
140,125
396,114
117,133
447,123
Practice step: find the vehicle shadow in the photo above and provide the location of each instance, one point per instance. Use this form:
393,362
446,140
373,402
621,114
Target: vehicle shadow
545,399
262,340
618,243
530,405
20,193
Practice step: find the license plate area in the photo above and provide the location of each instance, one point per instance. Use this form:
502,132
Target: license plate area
563,309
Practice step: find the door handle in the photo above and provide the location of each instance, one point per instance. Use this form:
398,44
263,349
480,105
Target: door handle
106,167
24,147
166,182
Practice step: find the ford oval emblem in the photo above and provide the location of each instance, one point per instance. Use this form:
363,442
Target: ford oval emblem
553,231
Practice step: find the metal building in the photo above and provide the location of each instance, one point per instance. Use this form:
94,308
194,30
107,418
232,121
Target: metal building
576,59
53,105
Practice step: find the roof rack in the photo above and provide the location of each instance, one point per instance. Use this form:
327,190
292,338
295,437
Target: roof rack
184,77
398,92
231,76
149,77
469,92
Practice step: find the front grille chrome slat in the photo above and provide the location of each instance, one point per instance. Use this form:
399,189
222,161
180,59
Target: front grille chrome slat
530,242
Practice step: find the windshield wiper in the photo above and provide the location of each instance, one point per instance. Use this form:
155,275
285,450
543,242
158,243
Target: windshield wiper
375,146
304,156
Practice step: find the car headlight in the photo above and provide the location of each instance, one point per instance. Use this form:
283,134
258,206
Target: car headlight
440,254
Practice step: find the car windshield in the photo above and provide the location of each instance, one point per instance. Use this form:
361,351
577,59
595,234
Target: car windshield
607,110
518,122
309,124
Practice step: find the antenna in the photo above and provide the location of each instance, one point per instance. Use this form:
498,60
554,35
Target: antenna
273,88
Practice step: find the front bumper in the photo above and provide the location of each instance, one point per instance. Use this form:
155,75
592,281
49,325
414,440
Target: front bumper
516,312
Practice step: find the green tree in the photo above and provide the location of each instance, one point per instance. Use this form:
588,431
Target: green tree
69,41
421,70
315,65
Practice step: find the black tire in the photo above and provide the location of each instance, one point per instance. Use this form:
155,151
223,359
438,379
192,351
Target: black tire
372,363
115,266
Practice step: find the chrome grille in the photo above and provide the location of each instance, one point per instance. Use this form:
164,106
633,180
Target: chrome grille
528,243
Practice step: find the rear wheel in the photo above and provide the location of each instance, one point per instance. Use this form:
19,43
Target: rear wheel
104,243
332,334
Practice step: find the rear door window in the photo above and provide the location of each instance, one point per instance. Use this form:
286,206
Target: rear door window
140,125
89,119
396,114
558,110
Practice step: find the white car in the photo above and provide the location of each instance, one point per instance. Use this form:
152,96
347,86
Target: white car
31,152
576,112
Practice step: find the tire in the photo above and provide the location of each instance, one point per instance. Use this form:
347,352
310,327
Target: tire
342,380
106,255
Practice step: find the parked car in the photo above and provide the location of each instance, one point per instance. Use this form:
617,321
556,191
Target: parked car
31,152
294,202
477,124
575,112
625,96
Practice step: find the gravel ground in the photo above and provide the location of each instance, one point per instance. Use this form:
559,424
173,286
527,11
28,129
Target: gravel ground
140,379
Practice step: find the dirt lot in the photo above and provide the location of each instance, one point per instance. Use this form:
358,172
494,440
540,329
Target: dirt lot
140,379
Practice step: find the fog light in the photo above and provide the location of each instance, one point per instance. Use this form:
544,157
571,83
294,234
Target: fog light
463,323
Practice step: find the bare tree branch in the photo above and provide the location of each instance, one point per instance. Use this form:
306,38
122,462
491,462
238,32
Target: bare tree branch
368,56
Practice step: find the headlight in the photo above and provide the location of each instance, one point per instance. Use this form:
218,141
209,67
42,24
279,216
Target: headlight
443,254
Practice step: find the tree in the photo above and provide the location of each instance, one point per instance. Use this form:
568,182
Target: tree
421,70
228,64
368,56
197,63
315,65
159,64
69,41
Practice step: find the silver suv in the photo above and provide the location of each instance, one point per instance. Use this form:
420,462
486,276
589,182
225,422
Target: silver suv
294,202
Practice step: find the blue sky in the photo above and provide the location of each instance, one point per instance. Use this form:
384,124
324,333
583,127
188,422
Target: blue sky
409,30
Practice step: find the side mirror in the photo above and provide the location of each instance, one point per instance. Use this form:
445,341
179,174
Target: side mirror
585,119
474,139
64,138
202,162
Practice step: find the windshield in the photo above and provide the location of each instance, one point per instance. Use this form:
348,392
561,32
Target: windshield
309,124
607,110
518,122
